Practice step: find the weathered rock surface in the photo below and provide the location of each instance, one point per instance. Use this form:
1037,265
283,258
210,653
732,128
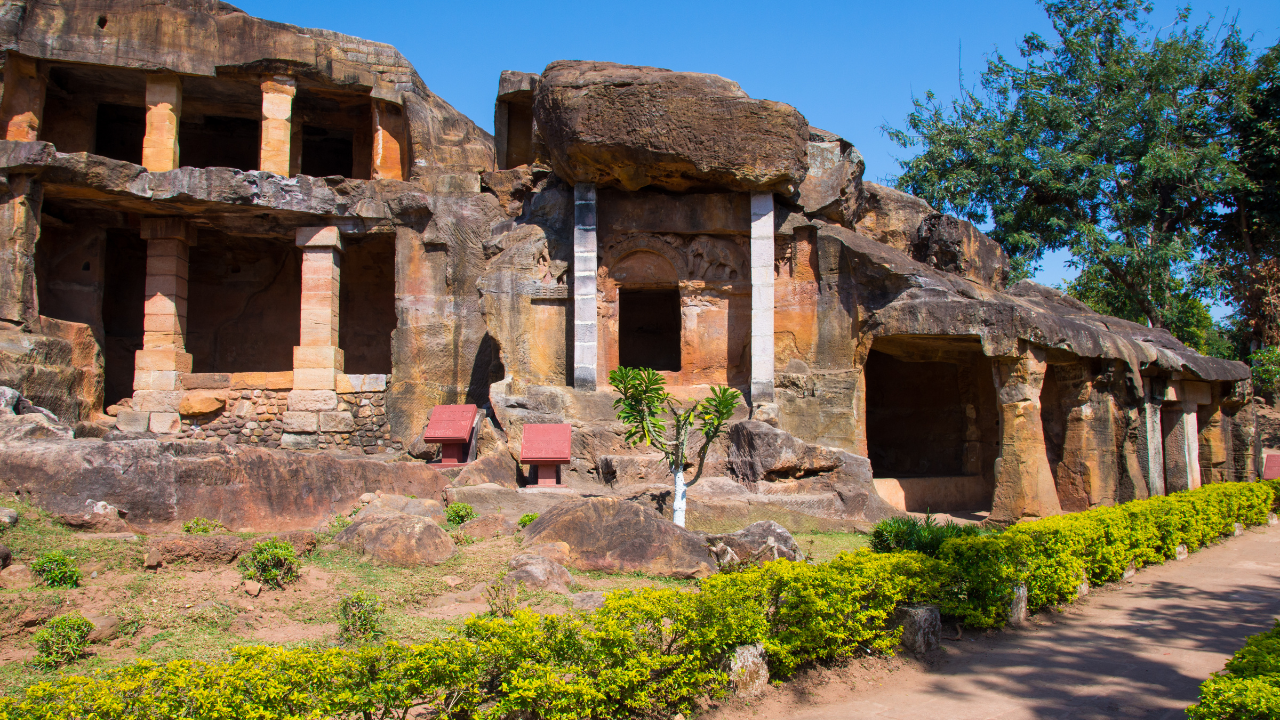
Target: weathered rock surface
955,246
158,482
612,535
490,499
892,217
748,670
489,526
556,552
398,539
6,557
758,542
632,127
760,453
921,627
536,572
497,468
391,503
219,548
833,185
97,517
105,627
8,517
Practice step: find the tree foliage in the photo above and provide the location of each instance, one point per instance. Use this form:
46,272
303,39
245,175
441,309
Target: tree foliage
1112,140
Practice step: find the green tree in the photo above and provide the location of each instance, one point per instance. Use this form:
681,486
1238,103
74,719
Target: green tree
1110,140
644,397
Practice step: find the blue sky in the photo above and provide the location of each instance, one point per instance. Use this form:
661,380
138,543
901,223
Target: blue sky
850,67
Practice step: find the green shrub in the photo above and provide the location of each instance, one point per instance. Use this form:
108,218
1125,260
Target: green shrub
1251,690
915,535
201,526
360,617
1274,484
1266,369
526,519
271,562
458,513
62,640
980,576
57,569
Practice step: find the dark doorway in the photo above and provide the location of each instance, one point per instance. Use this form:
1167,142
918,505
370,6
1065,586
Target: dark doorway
367,304
915,418
125,277
326,152
218,141
119,131
649,329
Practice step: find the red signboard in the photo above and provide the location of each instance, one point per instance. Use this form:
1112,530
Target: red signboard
450,424
545,445
1271,468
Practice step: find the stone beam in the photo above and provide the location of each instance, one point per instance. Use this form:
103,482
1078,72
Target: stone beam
390,141
23,103
585,257
318,359
1024,482
276,152
164,111
762,362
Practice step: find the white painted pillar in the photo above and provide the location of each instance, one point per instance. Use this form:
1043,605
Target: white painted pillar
1153,436
584,287
762,298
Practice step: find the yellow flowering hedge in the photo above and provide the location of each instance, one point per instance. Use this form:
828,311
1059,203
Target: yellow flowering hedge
652,653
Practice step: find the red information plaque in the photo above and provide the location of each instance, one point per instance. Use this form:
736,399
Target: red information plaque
545,445
450,424
545,448
1271,468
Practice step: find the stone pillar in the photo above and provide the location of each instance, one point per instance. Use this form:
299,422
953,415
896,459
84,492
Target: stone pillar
390,141
762,231
276,151
1152,436
23,103
164,110
318,359
584,287
163,355
1194,394
20,205
1024,482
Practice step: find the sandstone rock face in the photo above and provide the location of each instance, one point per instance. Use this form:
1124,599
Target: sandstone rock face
758,542
97,517
200,402
398,539
390,503
158,483
632,127
611,535
833,186
497,468
491,499
489,526
953,245
892,217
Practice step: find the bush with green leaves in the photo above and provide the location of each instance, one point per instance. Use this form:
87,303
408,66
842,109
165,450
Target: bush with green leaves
62,640
360,617
918,535
458,513
271,562
1266,369
201,526
526,519
57,569
1248,687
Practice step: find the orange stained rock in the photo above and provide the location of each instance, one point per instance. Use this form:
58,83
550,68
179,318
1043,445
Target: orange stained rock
23,105
164,110
276,152
390,150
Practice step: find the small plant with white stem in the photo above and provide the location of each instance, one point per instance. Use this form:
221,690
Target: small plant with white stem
644,396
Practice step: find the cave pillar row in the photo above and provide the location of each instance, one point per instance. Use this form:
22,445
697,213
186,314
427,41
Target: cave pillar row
164,111
156,390
277,153
390,141
24,93
1153,435
1024,481
585,260
762,253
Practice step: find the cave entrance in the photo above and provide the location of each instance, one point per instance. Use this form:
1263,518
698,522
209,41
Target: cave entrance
123,308
649,329
219,141
326,153
119,132
932,425
367,304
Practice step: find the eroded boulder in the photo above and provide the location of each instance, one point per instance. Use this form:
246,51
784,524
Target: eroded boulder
612,535
489,526
536,572
398,539
632,127
956,246
758,542
760,452
389,503
891,216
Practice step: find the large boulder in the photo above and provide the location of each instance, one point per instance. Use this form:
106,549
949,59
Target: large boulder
758,542
955,246
613,535
833,186
536,572
391,503
632,127
760,452
398,539
891,216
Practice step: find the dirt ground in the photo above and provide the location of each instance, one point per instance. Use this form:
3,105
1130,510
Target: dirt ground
1137,649
201,611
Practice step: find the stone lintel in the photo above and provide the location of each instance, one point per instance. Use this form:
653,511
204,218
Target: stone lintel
325,237
168,228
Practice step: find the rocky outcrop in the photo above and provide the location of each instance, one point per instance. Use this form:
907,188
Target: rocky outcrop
891,216
616,536
158,483
219,548
536,572
761,453
832,187
398,539
954,246
758,542
634,127
390,503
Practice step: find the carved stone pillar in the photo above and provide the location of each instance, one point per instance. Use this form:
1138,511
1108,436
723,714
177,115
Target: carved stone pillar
20,205
318,359
277,151
24,92
390,141
1024,482
762,298
164,110
585,333
163,355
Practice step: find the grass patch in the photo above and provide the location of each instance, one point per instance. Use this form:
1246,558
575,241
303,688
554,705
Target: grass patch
824,546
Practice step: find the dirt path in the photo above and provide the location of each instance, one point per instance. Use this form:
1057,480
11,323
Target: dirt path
1138,649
